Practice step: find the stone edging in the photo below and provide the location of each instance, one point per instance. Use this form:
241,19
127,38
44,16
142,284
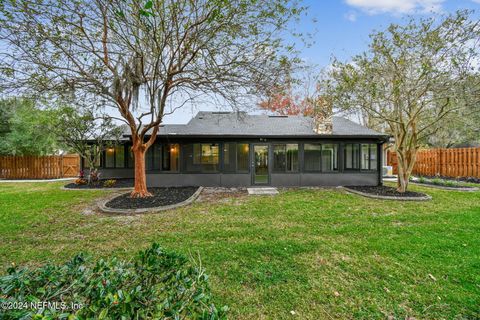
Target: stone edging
464,189
374,196
102,205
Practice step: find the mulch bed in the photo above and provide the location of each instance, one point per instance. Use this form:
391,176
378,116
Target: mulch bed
161,197
388,192
121,183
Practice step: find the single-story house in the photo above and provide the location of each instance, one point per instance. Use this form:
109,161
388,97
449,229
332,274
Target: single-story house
232,149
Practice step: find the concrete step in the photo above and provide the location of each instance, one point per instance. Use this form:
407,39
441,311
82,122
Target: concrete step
262,191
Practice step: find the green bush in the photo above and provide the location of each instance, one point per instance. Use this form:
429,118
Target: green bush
422,179
109,183
155,284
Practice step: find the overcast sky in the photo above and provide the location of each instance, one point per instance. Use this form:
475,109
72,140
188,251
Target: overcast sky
342,28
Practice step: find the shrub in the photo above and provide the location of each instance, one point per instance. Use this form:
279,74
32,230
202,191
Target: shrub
80,181
450,183
437,181
109,183
422,179
154,284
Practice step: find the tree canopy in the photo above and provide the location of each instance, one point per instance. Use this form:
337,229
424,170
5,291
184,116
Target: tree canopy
145,58
25,128
411,78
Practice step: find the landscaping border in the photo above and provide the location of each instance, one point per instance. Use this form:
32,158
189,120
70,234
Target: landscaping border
374,196
463,189
102,205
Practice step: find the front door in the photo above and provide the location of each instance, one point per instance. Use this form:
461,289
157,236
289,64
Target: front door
260,171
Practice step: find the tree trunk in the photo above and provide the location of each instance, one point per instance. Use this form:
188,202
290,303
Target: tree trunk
405,161
140,186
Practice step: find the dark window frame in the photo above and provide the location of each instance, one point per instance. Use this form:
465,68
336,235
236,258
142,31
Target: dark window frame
103,158
371,146
285,148
321,144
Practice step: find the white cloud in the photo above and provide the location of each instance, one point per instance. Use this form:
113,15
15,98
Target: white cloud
352,16
476,1
397,6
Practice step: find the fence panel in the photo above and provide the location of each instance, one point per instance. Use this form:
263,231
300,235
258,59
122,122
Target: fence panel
462,162
39,167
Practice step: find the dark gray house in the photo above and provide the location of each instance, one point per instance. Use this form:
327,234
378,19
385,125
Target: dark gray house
237,149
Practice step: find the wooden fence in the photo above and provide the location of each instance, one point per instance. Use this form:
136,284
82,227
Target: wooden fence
461,162
33,167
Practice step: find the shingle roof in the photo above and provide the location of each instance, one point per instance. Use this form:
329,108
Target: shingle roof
243,124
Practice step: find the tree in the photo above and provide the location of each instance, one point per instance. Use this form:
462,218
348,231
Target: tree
24,128
409,79
86,134
144,56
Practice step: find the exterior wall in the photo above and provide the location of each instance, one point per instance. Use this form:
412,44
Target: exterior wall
340,178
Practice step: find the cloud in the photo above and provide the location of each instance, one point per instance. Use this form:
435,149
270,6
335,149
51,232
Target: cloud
397,6
476,1
352,16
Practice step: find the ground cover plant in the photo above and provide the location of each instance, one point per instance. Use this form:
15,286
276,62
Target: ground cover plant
155,284
305,253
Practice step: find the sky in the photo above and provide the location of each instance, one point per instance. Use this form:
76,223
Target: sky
341,29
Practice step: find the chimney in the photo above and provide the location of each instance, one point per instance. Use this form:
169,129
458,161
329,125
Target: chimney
322,116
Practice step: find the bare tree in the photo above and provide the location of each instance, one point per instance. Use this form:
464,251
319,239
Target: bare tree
142,56
409,80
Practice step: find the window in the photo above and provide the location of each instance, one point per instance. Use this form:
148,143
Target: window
243,153
201,157
153,158
115,157
311,156
229,154
329,157
110,158
130,159
320,157
361,156
120,156
369,157
352,156
235,157
170,157
285,158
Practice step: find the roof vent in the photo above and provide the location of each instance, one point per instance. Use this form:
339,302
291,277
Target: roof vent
278,116
220,112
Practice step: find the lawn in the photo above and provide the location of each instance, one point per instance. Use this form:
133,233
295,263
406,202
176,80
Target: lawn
306,253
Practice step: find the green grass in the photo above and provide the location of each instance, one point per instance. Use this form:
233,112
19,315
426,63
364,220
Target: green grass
320,253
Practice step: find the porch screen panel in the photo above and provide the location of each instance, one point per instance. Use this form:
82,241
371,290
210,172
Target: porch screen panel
352,156
243,153
279,159
292,157
329,157
373,157
229,156
369,157
202,157
120,156
110,158
311,157
365,157
170,157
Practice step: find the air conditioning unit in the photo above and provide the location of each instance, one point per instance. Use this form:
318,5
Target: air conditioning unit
387,171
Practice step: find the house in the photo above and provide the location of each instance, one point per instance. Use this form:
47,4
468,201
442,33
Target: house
231,149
